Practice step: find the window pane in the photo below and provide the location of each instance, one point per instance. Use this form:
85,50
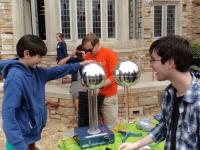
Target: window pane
65,18
157,21
81,18
131,19
96,11
111,18
135,18
170,19
138,22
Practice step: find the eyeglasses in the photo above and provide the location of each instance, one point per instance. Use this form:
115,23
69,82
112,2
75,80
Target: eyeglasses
88,50
152,60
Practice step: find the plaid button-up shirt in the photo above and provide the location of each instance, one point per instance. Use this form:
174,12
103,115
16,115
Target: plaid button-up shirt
188,132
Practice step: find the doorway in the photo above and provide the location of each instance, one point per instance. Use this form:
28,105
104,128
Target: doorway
38,18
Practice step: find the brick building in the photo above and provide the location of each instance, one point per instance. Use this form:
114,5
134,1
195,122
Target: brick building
120,24
127,26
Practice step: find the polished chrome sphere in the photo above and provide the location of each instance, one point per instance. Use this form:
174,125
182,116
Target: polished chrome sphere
127,73
93,76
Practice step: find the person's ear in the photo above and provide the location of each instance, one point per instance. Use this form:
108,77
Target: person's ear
26,53
171,63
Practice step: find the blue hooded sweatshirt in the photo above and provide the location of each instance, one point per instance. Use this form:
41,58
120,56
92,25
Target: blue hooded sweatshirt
24,111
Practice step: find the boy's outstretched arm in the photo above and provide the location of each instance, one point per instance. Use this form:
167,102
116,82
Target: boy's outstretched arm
86,62
139,144
60,71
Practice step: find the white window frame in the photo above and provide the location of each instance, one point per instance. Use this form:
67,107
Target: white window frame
89,21
91,16
70,15
134,21
86,19
115,21
164,18
34,18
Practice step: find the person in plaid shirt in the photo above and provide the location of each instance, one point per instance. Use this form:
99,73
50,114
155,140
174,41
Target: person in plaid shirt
171,58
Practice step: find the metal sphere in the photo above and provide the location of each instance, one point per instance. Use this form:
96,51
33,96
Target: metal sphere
93,76
127,73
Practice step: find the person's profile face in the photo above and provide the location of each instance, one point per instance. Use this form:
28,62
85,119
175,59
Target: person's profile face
89,48
161,71
31,61
35,61
58,38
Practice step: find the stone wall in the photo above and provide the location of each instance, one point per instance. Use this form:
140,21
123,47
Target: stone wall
186,19
189,25
6,28
143,99
147,23
139,56
196,19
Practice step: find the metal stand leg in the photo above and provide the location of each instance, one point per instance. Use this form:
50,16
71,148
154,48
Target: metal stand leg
93,112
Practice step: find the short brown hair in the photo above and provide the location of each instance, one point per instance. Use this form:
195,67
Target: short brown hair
34,44
90,37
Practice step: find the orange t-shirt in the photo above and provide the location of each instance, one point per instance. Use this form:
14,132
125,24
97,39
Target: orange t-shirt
108,60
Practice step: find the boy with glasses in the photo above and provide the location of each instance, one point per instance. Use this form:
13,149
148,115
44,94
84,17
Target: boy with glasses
171,58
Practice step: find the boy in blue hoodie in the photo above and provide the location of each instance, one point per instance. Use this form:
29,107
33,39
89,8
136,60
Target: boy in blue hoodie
24,111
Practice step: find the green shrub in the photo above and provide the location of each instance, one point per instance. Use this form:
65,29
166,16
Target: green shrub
196,55
196,48
195,68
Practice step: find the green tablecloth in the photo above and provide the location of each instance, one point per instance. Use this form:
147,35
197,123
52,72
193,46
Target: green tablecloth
68,143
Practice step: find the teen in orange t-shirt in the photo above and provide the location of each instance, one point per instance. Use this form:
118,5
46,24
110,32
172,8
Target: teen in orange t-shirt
108,60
